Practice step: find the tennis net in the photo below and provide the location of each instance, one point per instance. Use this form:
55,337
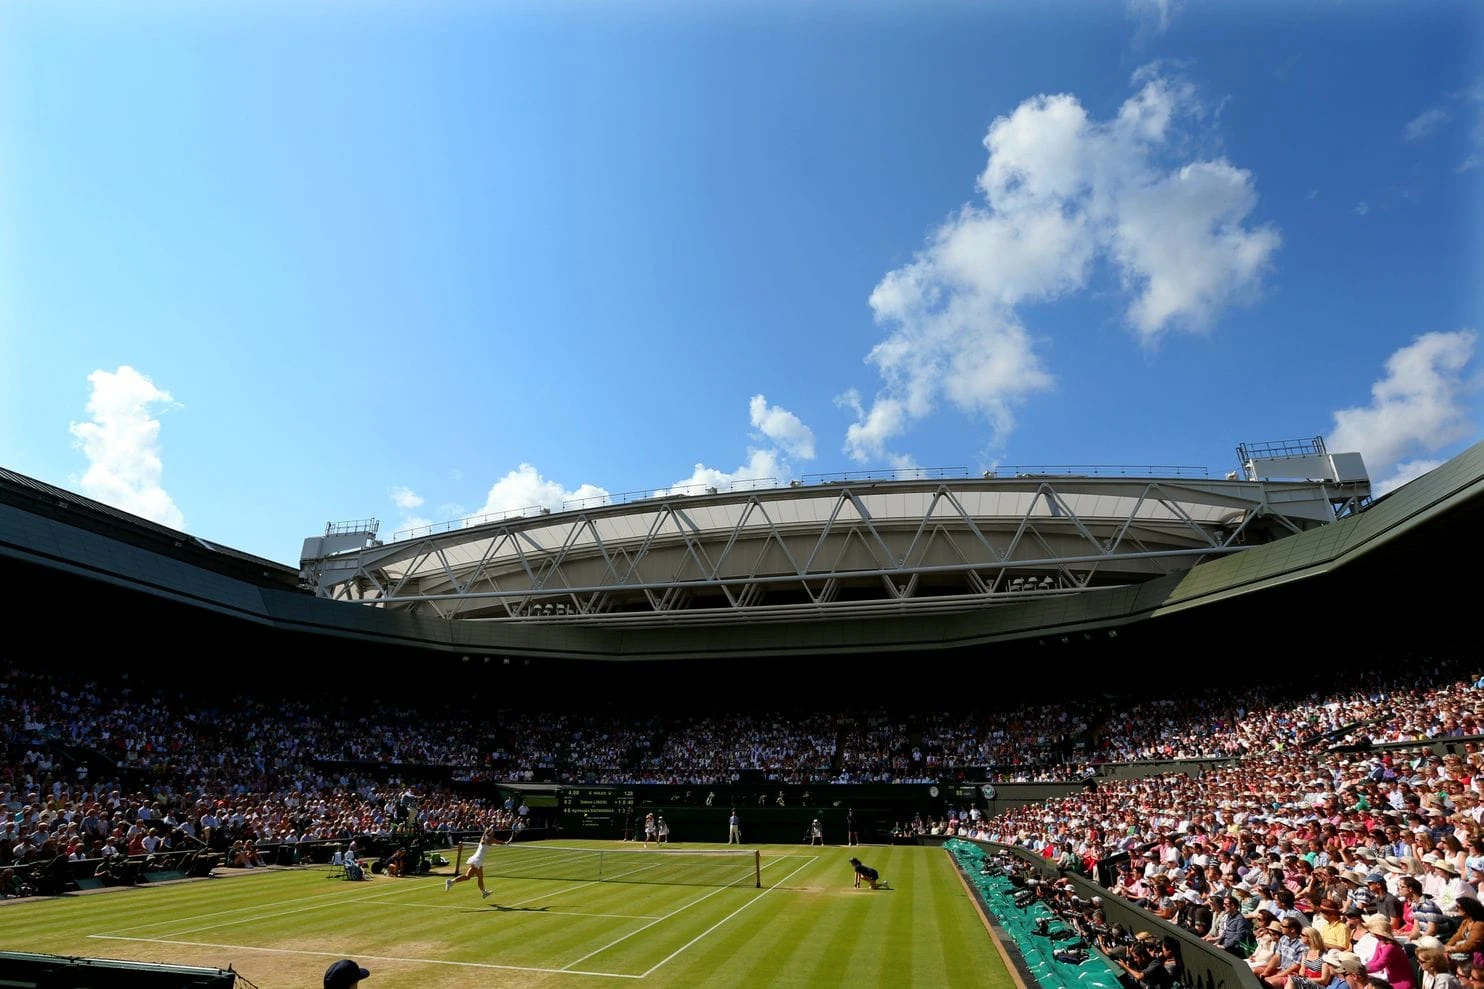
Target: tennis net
731,867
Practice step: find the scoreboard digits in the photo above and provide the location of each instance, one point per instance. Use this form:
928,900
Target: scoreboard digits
597,808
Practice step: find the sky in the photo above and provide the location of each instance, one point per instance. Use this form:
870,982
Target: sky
266,266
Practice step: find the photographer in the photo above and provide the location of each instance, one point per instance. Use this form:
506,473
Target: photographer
114,868
1113,942
1144,967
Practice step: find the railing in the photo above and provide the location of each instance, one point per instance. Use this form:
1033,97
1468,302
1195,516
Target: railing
358,525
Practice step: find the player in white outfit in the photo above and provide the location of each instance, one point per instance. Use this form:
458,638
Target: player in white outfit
475,865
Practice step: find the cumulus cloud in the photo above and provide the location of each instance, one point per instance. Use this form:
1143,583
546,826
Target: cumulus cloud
1420,406
406,499
1406,471
1425,123
121,441
414,525
763,468
1061,193
782,427
524,488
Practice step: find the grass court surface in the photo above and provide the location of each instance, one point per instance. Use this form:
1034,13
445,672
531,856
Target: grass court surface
806,927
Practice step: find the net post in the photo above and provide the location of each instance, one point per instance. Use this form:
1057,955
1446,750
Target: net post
757,866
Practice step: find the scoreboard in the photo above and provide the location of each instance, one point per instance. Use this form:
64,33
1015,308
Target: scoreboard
598,811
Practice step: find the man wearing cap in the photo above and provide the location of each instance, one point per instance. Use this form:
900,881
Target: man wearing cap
1386,903
1361,897
344,974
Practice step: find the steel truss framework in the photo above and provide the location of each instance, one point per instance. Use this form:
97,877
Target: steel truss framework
836,549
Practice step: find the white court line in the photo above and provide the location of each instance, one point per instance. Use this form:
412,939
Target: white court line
391,959
639,930
678,910
560,892
252,917
668,958
558,912
402,959
222,913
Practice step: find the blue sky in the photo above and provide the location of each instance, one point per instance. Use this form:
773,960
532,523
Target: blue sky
267,265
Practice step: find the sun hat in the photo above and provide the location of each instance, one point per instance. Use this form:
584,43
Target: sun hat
1379,925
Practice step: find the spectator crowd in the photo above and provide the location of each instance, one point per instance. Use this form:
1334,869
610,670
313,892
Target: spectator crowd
1298,806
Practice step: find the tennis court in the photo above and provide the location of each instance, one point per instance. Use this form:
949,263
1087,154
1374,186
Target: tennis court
703,923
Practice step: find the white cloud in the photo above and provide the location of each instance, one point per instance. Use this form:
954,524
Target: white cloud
868,435
1361,208
782,427
415,524
406,499
121,442
524,488
1425,124
764,468
1419,406
1153,16
1061,192
1409,470
1468,103
1475,100
1182,242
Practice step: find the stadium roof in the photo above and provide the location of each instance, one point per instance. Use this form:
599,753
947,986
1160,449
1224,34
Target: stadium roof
1387,564
832,550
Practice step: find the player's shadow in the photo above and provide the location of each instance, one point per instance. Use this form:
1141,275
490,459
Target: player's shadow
505,909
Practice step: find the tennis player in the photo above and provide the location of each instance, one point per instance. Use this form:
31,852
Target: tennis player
475,868
651,830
